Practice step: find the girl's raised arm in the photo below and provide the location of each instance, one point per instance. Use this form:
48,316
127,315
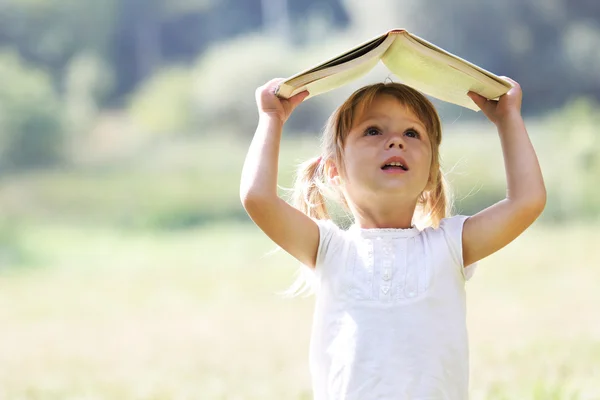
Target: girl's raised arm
496,226
291,229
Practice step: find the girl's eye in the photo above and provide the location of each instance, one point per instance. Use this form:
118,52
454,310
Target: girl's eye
412,133
372,131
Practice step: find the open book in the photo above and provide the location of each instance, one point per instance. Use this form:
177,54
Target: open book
416,62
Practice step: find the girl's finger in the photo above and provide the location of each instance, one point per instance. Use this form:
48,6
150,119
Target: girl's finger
478,99
273,84
487,107
512,81
298,98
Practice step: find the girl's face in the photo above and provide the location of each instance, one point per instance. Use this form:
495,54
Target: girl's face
387,153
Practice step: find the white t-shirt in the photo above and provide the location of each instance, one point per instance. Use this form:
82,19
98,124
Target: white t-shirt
389,319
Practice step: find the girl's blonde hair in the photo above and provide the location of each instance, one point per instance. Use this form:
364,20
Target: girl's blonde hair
311,188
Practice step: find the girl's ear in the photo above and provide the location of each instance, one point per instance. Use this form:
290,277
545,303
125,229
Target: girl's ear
332,173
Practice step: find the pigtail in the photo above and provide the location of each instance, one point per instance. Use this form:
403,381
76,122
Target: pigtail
308,193
308,196
435,204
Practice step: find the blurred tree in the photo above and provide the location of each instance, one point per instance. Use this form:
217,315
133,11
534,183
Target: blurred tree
276,18
163,104
31,116
578,191
87,82
136,38
224,97
50,32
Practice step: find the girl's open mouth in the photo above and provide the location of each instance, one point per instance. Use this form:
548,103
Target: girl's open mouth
394,166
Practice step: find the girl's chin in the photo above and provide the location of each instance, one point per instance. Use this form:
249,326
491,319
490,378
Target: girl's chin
394,188
387,184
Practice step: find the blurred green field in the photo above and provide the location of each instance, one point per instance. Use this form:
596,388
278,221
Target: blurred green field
178,183
115,314
138,276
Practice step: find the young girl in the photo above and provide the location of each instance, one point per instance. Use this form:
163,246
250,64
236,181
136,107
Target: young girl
389,319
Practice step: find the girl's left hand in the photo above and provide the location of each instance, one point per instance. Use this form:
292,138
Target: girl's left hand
507,106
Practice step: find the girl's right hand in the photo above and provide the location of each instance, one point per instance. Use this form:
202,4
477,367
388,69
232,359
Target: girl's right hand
270,105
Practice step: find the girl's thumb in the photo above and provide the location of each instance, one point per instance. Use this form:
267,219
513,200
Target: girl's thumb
483,103
298,98
477,99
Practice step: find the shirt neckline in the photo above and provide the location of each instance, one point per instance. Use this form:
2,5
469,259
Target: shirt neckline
384,232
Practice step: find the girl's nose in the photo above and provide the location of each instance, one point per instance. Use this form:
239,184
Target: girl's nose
395,141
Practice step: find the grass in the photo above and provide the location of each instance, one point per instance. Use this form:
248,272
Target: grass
101,297
108,314
169,184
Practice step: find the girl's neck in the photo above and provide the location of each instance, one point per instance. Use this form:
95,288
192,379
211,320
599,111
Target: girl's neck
398,215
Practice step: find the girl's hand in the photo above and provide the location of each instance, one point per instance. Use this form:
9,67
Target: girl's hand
272,106
506,107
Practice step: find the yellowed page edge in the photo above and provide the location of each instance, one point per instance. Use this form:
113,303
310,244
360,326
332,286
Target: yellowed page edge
289,86
337,80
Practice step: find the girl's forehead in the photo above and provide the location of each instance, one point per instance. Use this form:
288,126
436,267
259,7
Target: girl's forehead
384,106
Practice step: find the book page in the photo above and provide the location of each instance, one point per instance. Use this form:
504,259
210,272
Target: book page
352,54
457,61
325,84
436,75
336,75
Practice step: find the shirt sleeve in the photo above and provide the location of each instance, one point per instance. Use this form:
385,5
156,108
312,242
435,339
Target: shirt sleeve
330,244
453,229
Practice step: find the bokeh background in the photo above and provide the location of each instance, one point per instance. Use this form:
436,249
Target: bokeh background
128,268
